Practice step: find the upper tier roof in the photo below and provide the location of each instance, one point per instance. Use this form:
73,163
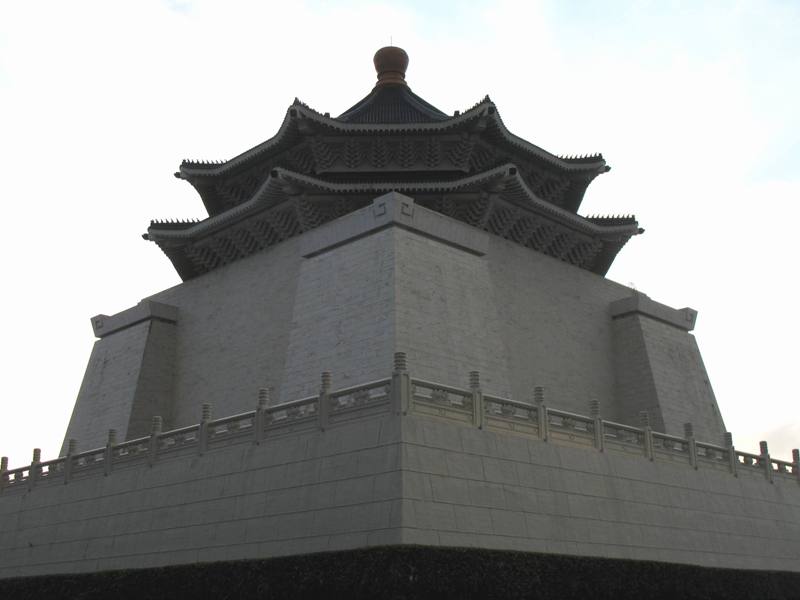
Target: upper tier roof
393,139
392,101
392,104
317,144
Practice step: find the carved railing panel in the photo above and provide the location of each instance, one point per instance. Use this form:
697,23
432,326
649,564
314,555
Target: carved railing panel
179,439
713,456
570,428
130,451
52,469
511,415
438,400
415,396
364,399
16,476
624,438
671,448
783,467
749,464
220,431
297,415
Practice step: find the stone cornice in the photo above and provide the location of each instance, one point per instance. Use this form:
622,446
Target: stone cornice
146,310
640,304
395,210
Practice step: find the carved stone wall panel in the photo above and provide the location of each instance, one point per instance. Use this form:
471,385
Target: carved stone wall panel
379,154
301,159
202,258
241,188
406,156
500,219
548,186
333,155
325,153
247,241
353,154
265,232
482,157
477,209
459,153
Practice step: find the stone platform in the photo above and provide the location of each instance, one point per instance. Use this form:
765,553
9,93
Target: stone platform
400,461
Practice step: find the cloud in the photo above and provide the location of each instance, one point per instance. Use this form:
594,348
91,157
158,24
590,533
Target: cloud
694,109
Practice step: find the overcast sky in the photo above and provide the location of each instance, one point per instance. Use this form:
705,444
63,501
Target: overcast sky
693,104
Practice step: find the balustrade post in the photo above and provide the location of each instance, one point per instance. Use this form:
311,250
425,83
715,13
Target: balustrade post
72,446
541,410
796,464
765,460
324,408
731,453
644,421
478,412
202,432
35,468
688,433
155,439
599,433
108,455
259,421
401,385
3,472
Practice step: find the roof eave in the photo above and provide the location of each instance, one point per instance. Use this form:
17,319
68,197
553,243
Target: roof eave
274,185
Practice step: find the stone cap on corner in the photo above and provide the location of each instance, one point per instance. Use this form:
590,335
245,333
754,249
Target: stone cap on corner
146,310
683,318
394,210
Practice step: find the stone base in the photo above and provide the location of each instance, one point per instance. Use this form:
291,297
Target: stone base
399,461
395,572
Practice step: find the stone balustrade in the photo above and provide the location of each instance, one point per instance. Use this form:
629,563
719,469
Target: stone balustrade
402,394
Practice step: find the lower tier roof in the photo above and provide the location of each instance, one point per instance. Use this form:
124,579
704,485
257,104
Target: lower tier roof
497,201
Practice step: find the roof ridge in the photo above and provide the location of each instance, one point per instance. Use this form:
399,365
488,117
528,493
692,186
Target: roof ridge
392,104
